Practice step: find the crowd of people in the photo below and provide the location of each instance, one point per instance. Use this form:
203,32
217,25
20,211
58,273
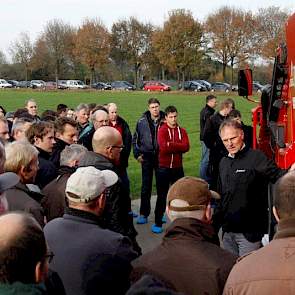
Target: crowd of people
66,223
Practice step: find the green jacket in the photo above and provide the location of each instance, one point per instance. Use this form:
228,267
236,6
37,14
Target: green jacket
19,288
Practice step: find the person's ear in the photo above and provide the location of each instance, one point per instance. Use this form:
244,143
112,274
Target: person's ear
101,200
275,213
37,140
207,214
41,271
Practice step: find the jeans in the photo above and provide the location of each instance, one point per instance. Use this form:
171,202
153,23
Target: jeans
238,244
148,166
167,176
204,162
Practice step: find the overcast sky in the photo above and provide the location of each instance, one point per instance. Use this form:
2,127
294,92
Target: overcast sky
32,15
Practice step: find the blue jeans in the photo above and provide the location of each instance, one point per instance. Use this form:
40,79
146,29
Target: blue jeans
204,162
238,244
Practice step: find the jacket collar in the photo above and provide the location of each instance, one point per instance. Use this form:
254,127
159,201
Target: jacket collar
82,216
286,229
191,228
43,154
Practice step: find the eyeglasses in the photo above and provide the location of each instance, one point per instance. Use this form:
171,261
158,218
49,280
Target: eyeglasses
117,146
49,256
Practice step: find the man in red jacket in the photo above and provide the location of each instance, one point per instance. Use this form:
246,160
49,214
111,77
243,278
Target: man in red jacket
173,142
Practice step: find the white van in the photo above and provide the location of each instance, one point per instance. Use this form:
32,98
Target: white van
4,84
76,84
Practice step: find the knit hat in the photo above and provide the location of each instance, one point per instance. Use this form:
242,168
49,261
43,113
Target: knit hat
87,183
194,191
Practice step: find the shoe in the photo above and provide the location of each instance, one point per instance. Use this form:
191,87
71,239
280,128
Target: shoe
141,219
134,215
164,219
157,229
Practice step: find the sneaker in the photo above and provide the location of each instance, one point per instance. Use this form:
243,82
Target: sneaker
134,215
141,219
157,229
164,219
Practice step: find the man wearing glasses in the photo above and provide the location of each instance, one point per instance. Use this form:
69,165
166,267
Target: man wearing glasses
107,145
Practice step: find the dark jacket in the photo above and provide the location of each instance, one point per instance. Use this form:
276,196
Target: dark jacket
57,149
54,201
89,259
145,137
123,128
21,198
85,138
269,270
205,114
173,142
19,288
116,213
189,257
47,170
243,186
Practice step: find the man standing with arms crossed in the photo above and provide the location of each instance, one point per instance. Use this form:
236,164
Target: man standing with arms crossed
173,142
145,149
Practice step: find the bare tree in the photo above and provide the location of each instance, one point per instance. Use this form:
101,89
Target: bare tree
131,40
58,38
271,29
22,52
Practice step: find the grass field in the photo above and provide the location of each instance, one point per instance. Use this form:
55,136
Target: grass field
130,106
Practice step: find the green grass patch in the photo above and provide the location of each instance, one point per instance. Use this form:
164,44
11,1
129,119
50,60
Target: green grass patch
130,106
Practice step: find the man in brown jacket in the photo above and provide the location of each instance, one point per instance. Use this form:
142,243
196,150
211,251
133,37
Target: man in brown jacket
271,269
189,259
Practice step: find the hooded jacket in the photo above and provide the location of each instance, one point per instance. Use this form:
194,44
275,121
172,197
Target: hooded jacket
173,142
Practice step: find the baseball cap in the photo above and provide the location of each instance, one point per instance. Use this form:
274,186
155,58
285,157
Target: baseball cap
8,180
87,183
193,190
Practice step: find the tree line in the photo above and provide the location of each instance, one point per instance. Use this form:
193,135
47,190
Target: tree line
182,48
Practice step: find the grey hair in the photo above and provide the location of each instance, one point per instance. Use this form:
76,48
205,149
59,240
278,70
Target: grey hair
30,100
18,124
72,152
82,106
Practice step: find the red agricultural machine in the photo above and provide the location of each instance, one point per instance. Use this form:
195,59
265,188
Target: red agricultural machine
274,117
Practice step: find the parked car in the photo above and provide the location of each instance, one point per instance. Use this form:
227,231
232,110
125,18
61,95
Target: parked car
50,85
4,84
156,86
194,86
76,84
101,86
122,85
62,84
24,84
257,87
13,83
37,84
234,88
220,86
205,83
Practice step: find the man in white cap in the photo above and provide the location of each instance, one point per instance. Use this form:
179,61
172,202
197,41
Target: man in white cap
189,258
88,258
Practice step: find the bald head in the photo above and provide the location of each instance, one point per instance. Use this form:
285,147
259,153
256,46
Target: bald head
284,200
108,142
22,248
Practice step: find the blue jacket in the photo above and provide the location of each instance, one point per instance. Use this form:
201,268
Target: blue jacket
145,136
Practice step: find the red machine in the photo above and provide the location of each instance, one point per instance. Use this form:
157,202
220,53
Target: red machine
274,117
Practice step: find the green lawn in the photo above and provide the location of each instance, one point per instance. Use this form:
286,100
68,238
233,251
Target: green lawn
131,105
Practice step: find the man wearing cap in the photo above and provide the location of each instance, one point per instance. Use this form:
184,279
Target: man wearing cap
189,257
89,258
